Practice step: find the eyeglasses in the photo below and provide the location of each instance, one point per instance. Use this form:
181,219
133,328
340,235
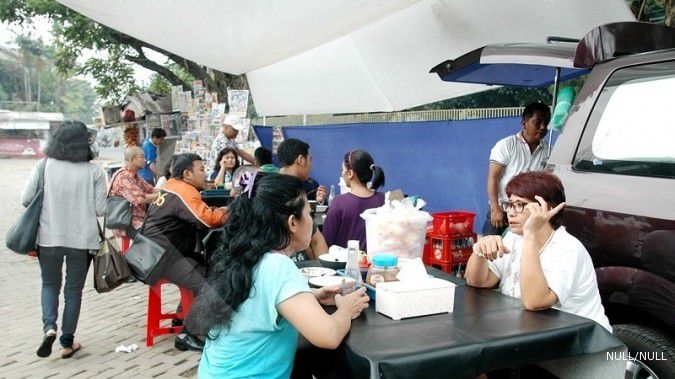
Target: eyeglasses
517,206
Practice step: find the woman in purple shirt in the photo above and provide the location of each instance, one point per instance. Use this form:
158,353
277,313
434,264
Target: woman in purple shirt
344,222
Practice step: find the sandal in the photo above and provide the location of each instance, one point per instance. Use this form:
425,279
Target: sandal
68,352
45,348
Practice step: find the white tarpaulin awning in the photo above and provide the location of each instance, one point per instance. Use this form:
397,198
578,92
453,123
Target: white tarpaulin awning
344,56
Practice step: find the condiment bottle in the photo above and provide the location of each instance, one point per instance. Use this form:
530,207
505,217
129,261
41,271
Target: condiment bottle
384,269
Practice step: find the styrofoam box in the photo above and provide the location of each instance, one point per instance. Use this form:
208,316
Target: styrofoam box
400,300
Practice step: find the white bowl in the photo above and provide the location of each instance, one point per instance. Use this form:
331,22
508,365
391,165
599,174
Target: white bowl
330,281
313,272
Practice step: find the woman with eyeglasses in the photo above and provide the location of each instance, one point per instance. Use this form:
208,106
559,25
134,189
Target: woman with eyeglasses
536,260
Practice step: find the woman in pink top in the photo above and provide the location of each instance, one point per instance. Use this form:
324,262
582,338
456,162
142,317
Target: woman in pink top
344,222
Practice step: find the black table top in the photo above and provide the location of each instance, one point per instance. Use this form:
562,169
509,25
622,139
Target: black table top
486,331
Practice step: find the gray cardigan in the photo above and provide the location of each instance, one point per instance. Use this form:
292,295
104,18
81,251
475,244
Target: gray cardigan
74,195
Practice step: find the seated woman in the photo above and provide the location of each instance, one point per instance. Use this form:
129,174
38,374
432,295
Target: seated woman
537,261
256,300
343,222
226,163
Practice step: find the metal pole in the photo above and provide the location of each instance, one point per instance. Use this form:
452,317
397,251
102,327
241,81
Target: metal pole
556,85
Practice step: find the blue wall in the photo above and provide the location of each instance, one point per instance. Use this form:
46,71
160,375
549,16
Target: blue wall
444,161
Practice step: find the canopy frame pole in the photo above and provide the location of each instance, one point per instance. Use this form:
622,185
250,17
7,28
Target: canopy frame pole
556,87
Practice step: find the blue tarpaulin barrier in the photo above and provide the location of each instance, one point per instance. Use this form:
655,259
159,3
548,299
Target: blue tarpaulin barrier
445,162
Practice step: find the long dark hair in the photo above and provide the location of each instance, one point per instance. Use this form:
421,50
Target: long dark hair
364,167
70,142
226,150
256,226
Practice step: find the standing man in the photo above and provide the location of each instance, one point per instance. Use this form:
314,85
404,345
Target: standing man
295,160
525,151
232,125
150,171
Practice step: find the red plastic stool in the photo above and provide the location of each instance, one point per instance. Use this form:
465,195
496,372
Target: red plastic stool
155,315
126,241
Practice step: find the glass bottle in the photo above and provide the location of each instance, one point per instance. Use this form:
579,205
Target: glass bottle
352,269
331,196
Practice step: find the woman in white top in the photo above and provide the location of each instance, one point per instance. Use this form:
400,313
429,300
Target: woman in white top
74,195
536,260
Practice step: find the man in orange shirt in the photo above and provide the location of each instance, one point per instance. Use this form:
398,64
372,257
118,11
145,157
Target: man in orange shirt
174,220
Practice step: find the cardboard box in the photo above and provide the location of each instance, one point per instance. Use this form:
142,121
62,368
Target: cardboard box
400,300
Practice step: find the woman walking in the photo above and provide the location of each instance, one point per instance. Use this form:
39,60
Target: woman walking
74,195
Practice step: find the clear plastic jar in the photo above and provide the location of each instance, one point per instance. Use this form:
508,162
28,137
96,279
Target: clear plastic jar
384,269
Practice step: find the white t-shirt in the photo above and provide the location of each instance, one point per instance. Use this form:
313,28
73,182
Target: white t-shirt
568,270
514,154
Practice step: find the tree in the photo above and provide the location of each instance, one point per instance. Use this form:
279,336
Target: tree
32,67
114,52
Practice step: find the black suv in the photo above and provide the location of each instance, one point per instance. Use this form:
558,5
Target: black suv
616,158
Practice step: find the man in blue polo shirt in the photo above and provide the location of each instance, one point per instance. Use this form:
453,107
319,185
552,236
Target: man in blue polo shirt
150,171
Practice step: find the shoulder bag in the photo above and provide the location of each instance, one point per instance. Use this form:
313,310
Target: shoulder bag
22,236
110,268
117,210
146,258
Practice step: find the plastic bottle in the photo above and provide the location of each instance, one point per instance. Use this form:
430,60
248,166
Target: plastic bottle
352,269
331,196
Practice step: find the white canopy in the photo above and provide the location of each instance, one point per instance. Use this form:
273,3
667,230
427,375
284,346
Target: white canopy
344,56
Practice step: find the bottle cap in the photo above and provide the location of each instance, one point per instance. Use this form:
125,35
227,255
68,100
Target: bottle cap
353,244
385,260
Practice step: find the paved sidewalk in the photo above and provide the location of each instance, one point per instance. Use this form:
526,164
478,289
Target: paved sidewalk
106,320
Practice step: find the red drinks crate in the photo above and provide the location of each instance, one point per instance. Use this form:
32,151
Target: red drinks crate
453,224
445,250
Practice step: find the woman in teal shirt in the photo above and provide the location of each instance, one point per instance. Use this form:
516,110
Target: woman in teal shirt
256,300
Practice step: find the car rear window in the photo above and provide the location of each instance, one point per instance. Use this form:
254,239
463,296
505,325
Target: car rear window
631,130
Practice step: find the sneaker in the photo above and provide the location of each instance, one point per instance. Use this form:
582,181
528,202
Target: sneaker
45,348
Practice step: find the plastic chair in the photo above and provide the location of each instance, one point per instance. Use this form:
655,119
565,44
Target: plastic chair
155,315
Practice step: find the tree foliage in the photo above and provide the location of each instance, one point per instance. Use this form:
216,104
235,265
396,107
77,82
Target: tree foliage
114,53
33,77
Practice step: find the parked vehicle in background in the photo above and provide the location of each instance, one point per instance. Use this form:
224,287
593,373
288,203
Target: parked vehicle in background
616,159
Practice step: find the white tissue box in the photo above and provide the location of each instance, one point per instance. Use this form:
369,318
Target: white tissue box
405,299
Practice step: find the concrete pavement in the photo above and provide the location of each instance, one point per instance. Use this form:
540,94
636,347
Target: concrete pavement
106,320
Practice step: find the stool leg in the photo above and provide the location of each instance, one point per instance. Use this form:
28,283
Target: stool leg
154,310
125,244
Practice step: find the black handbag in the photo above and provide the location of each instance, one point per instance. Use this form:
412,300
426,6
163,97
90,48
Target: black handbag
110,268
22,236
146,259
118,211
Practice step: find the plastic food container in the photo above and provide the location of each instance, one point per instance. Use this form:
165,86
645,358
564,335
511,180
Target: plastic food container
384,269
388,233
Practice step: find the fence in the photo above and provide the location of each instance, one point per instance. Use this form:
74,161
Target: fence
370,118
20,106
